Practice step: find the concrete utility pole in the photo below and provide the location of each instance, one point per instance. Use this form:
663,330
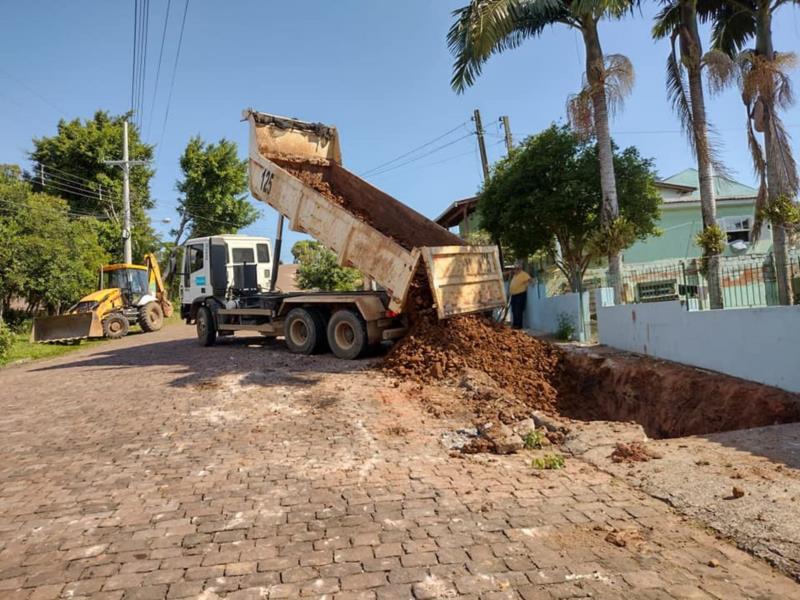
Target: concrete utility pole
507,129
481,145
127,253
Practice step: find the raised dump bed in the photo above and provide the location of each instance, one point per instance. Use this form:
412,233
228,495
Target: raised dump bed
295,167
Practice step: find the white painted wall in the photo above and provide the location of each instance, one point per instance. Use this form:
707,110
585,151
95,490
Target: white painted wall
760,344
542,312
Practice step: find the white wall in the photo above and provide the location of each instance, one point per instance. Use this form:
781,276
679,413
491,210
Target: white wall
542,312
760,344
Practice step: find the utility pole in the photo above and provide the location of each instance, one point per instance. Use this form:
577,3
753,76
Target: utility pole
507,129
127,253
481,145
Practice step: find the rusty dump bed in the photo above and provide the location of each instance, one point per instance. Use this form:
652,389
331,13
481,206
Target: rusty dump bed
295,167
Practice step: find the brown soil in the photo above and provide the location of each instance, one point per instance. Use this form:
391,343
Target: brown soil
633,452
666,398
386,214
517,368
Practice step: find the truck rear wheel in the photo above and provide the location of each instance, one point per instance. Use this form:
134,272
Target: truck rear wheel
304,330
347,334
206,328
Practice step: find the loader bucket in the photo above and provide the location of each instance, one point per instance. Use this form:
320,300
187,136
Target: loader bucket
63,328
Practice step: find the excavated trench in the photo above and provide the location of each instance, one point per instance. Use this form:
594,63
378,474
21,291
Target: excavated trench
667,399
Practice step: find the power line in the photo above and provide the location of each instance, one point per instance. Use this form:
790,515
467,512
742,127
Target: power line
439,162
413,150
143,80
135,48
421,156
174,71
158,70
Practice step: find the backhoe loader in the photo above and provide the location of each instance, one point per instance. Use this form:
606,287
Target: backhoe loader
127,295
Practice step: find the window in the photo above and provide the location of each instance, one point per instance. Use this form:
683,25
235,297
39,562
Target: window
243,255
736,228
194,262
263,253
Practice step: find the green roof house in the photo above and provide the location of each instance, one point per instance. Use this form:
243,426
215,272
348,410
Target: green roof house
681,220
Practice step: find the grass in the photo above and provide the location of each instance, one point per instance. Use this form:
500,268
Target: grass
549,462
23,350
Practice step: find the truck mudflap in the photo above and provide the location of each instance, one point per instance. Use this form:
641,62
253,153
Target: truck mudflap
63,328
464,279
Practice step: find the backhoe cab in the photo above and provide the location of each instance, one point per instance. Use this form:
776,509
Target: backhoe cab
127,295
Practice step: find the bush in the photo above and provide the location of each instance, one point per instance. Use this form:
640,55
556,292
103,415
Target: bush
566,327
18,321
549,462
6,340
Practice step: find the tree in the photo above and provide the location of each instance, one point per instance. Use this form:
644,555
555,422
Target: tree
213,193
546,197
319,270
678,21
71,164
486,27
761,74
50,257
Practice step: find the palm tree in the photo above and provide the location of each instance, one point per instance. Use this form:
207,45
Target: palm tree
678,21
486,27
766,88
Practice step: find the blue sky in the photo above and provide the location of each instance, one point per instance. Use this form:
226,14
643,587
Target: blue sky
379,71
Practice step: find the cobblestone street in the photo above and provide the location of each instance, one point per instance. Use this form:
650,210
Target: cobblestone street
152,468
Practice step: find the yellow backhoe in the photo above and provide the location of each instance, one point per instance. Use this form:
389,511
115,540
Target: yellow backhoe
127,295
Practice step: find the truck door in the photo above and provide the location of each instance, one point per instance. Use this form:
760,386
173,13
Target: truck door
196,280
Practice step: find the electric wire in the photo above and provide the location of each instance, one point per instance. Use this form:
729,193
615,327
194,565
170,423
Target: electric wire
172,78
413,150
158,70
421,156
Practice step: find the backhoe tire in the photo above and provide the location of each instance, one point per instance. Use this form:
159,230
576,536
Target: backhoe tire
206,327
304,330
115,326
151,317
347,334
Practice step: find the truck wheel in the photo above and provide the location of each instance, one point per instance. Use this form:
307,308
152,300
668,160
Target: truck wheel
347,334
151,317
206,329
304,330
115,326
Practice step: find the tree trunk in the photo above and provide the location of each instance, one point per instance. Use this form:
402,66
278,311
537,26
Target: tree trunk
691,56
595,77
777,184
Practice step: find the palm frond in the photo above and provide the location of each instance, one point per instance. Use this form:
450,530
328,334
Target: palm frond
616,82
782,64
733,25
678,93
666,20
782,148
760,168
580,113
596,9
721,70
486,27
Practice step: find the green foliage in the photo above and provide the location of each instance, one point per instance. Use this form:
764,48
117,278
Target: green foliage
6,340
549,462
214,189
74,168
565,328
712,240
533,440
781,211
47,258
319,270
549,191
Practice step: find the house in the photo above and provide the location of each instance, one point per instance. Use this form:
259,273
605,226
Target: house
681,220
461,214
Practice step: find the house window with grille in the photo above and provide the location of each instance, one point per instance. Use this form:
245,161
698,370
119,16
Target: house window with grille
736,228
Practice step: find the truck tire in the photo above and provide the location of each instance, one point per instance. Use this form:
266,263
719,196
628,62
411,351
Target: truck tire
347,334
151,317
304,331
206,328
115,326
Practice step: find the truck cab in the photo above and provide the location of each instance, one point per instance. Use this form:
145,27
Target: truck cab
223,266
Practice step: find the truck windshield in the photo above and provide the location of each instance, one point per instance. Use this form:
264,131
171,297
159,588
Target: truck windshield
133,280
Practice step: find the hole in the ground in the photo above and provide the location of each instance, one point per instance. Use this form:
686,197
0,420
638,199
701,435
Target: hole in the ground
667,399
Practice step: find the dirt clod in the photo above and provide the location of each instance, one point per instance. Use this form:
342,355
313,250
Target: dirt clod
632,452
737,492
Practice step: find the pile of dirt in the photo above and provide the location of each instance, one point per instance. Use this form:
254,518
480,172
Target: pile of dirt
633,452
505,373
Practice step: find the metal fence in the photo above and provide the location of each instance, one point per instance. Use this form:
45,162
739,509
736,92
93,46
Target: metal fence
747,281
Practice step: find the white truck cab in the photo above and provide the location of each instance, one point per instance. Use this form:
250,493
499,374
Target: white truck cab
221,265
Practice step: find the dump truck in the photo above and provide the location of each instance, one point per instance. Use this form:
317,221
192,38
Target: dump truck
296,168
126,295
